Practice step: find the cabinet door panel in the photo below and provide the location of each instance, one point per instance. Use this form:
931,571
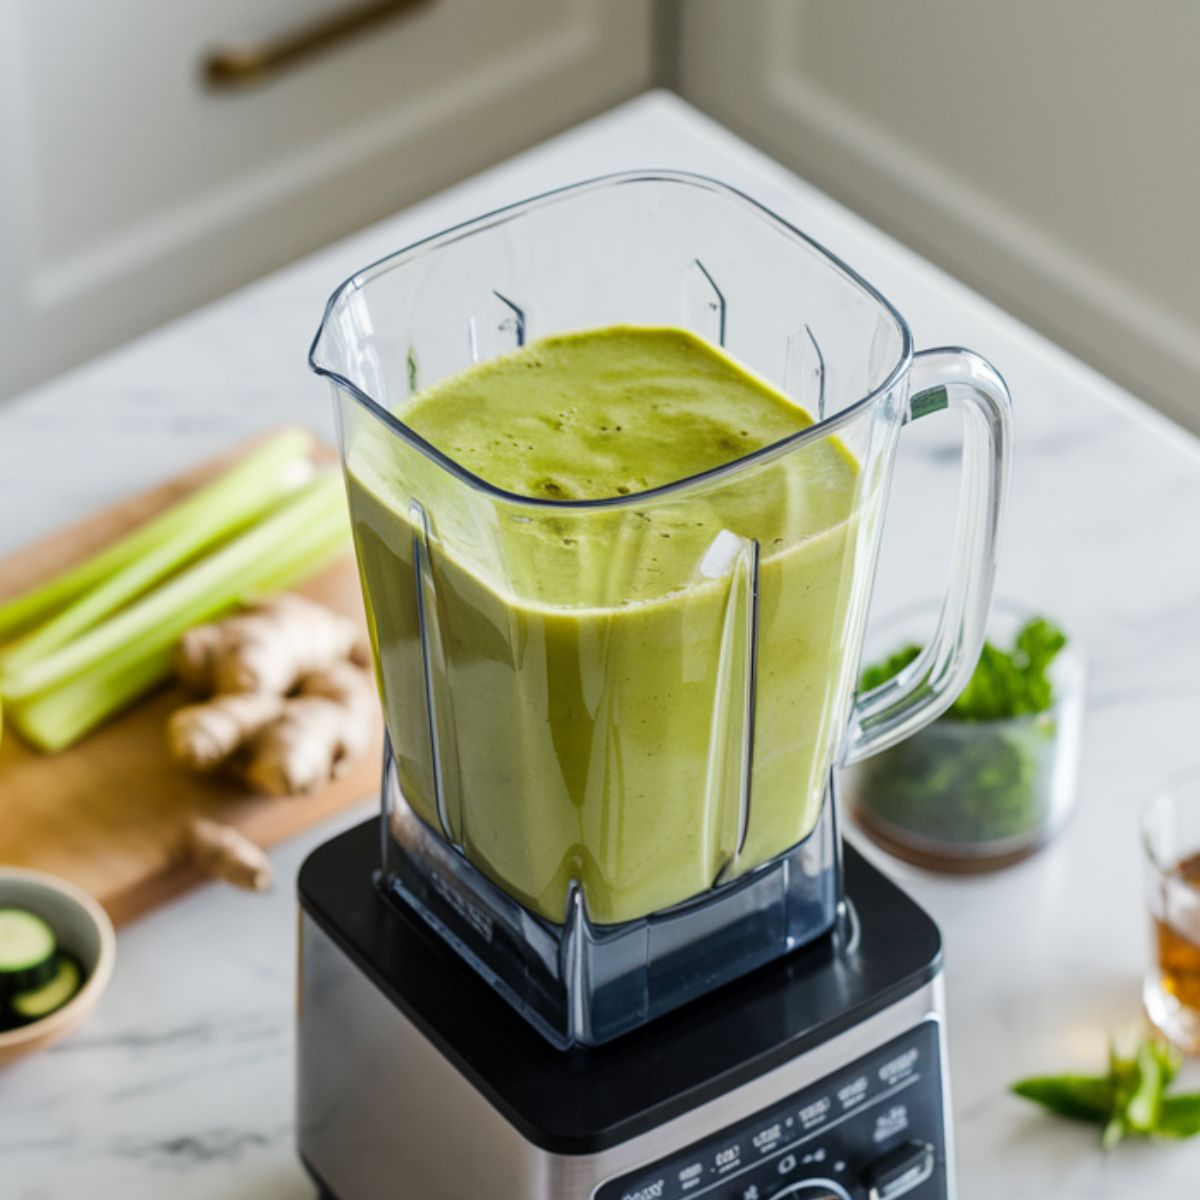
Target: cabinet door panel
1047,153
131,190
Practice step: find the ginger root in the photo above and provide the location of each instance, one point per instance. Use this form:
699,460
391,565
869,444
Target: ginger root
268,648
316,737
205,735
195,656
311,712
225,853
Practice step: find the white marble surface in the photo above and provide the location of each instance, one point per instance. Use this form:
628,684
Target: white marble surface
181,1084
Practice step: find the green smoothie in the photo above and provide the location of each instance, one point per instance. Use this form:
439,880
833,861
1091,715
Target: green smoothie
590,667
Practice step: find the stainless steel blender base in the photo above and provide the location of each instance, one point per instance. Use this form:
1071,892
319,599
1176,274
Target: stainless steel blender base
389,1107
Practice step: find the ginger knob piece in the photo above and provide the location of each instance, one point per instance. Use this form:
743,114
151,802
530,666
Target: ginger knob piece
196,656
316,737
281,744
205,735
225,853
273,646
346,683
268,648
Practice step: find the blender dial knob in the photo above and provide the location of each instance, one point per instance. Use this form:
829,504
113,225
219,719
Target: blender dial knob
815,1189
899,1171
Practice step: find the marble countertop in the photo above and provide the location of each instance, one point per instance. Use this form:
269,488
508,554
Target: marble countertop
181,1084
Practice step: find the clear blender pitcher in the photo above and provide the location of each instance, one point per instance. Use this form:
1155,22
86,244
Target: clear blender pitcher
612,722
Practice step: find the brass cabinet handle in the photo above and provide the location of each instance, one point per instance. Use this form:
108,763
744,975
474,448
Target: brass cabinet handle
228,68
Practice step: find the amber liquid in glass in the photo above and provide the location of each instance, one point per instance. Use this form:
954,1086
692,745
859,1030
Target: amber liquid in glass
1179,949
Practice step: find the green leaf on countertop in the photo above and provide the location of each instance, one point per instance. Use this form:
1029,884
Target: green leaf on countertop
1170,1060
1130,1099
1079,1097
1145,1099
1179,1116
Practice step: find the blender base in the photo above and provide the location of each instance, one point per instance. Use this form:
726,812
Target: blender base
819,1075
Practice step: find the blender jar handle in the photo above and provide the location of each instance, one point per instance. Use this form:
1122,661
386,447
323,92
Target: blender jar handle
941,379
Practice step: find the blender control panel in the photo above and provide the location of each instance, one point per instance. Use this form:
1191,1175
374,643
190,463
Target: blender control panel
874,1130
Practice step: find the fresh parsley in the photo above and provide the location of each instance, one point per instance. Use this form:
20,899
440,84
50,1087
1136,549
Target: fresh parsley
979,775
1005,683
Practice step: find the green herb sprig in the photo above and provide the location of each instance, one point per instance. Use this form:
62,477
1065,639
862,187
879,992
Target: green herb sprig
1004,684
1130,1099
986,785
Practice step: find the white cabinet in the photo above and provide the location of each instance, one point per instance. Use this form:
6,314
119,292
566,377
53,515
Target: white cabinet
131,190
1048,153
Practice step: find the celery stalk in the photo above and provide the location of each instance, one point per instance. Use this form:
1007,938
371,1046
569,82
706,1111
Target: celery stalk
52,720
209,515
193,595
58,716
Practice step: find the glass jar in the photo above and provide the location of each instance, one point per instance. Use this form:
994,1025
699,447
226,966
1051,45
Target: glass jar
972,795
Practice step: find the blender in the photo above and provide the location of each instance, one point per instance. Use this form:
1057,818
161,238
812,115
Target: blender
605,940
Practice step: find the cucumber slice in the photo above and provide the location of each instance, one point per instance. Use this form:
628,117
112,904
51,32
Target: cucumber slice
27,946
41,1002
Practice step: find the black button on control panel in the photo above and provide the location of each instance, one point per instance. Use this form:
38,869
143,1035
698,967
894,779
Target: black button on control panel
899,1171
872,1130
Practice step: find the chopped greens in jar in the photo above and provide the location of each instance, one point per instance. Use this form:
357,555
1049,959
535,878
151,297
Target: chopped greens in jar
1005,684
982,772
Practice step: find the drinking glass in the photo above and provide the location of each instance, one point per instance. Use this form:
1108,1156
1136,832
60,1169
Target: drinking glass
1171,843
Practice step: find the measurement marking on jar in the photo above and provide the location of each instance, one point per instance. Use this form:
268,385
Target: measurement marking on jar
856,1111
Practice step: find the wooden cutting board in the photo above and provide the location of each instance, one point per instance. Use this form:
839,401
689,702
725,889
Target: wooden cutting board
111,813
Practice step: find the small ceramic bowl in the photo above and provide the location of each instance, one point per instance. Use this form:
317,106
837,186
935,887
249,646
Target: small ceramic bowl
83,929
